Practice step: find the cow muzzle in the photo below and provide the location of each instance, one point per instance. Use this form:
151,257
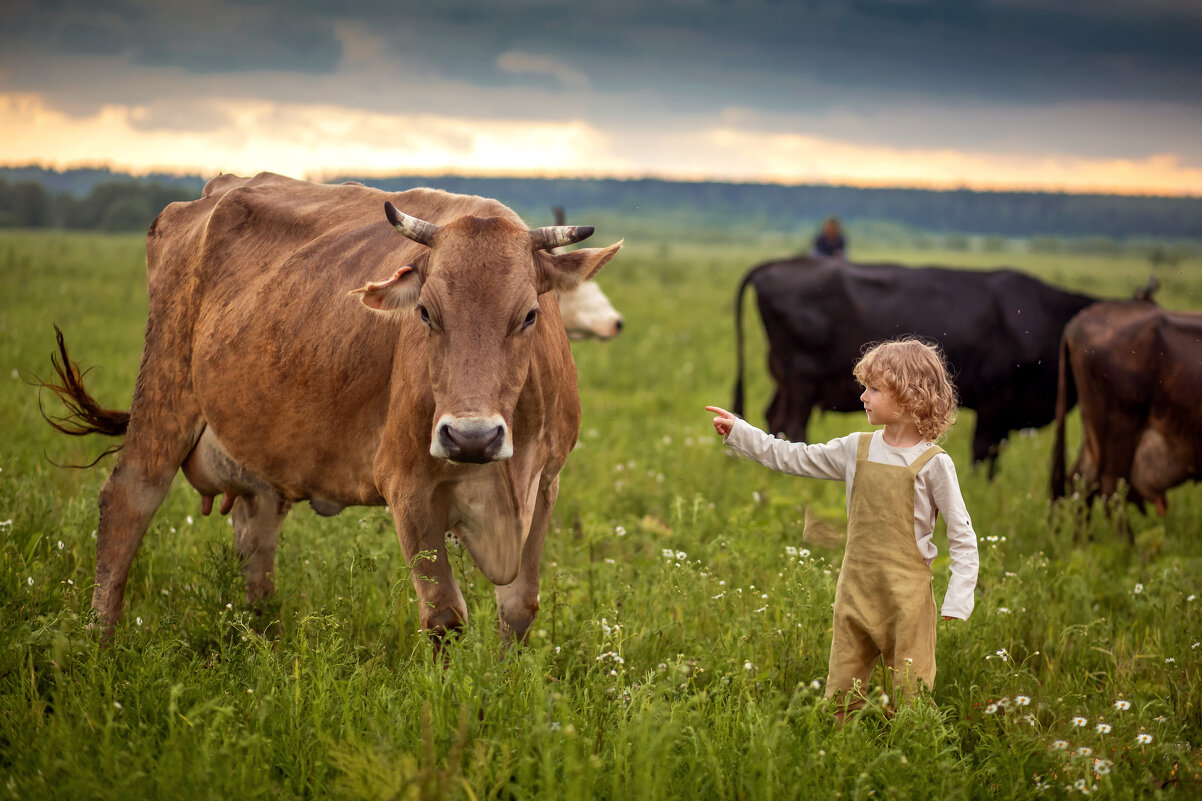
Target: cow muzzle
474,440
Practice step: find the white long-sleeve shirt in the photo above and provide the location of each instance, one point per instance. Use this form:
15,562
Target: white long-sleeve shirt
936,491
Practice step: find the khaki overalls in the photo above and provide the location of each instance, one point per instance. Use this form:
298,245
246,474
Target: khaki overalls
884,605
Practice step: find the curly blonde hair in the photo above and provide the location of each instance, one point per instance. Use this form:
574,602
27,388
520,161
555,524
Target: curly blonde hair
915,373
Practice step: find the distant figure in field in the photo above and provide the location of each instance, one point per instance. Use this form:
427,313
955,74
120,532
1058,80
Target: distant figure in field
830,241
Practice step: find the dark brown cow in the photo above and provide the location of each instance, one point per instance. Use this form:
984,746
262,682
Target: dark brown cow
452,398
1137,371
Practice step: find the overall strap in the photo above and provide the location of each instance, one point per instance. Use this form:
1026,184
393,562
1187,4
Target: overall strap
862,448
924,457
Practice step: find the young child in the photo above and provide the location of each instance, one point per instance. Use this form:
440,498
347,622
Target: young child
898,480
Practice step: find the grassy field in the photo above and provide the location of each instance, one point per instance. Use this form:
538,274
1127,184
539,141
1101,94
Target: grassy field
684,628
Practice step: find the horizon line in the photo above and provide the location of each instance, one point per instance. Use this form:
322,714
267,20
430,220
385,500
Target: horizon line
324,176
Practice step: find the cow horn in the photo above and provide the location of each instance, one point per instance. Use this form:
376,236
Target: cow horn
555,236
419,231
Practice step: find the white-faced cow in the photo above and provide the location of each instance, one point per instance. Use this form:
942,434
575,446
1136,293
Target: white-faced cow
587,312
1000,330
347,346
1137,373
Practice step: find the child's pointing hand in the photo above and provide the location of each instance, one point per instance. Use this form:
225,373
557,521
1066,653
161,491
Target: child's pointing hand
724,422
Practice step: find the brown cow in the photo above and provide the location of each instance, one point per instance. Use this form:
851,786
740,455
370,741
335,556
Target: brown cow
1137,370
452,399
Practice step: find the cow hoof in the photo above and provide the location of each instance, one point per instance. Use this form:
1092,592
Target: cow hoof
443,624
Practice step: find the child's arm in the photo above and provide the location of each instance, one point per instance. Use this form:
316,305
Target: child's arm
828,460
961,539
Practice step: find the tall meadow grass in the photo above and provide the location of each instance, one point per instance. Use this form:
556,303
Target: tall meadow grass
683,637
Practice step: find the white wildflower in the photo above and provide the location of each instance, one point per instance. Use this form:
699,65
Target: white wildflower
1079,721
1143,738
1122,705
1102,728
1022,700
1138,589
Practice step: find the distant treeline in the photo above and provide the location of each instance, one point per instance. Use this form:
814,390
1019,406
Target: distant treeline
34,197
113,206
780,208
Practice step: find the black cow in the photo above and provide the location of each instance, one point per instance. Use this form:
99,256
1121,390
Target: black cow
1000,331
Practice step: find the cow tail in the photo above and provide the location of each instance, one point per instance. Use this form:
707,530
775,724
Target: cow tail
1064,392
737,402
84,415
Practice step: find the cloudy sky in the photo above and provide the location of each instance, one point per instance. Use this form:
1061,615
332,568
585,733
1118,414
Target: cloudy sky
1046,94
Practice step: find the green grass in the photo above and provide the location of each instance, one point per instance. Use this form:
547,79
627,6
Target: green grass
683,621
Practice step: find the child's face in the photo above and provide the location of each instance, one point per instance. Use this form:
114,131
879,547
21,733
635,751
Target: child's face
881,405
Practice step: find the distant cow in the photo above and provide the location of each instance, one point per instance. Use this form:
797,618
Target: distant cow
587,312
1137,373
1000,330
299,348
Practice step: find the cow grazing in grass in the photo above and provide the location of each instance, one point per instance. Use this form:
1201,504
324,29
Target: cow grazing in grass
1136,370
1000,330
587,312
347,346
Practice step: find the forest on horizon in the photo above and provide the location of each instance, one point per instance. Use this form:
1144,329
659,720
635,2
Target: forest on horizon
100,199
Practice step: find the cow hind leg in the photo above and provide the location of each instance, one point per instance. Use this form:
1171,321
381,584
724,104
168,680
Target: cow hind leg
128,501
257,523
153,452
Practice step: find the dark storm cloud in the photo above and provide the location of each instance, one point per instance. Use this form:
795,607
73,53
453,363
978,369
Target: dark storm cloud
691,55
203,37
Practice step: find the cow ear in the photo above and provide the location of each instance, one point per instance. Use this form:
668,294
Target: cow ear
398,293
564,271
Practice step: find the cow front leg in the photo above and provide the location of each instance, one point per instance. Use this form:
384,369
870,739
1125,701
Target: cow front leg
257,523
517,601
422,539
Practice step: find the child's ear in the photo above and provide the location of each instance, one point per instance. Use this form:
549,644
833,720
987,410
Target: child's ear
560,272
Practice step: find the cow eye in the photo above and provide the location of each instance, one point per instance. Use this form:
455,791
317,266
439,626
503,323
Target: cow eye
425,315
530,318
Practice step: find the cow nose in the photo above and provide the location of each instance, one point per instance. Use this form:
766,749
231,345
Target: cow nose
472,445
618,326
